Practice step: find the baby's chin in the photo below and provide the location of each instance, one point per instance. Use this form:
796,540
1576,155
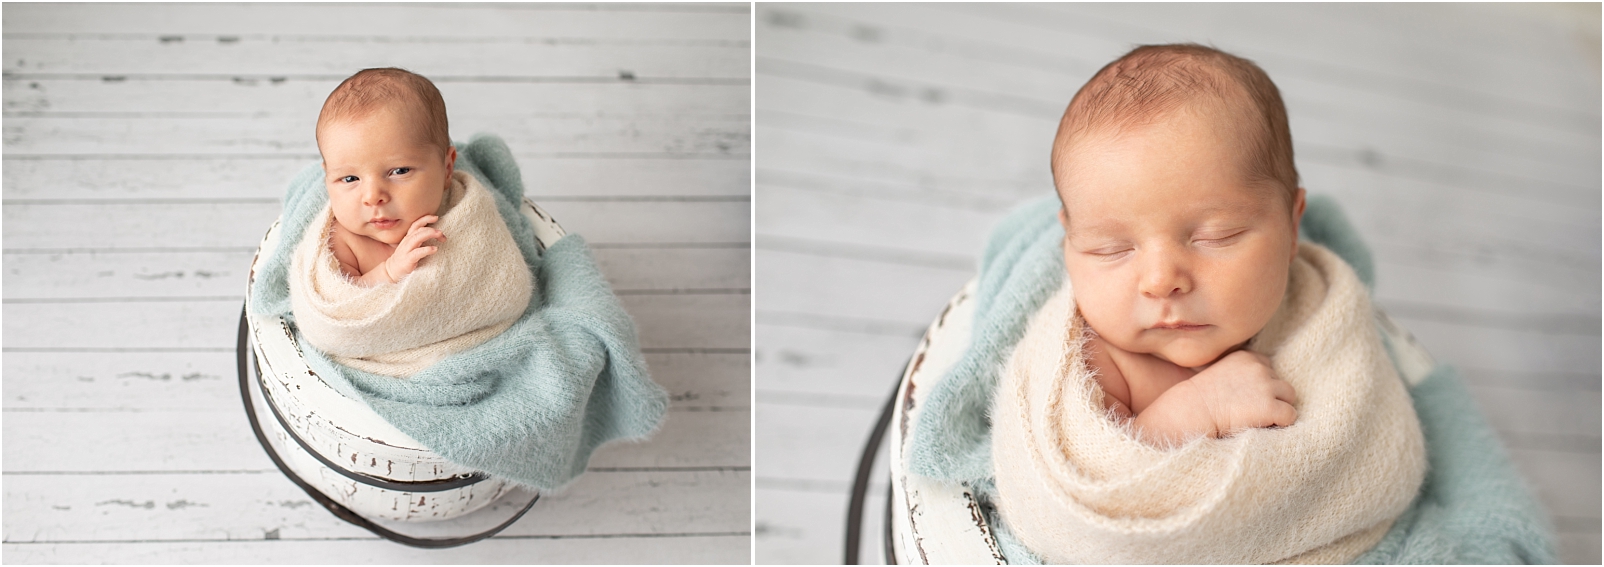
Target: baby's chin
1186,353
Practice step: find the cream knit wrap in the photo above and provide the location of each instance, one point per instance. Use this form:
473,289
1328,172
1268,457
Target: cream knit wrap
473,288
1077,487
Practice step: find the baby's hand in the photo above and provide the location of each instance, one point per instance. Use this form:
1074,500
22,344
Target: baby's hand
404,259
1242,391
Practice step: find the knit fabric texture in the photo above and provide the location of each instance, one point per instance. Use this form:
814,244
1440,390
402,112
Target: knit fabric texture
529,405
1078,487
473,288
1473,506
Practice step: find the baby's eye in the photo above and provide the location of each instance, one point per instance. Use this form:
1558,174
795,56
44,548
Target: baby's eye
1226,240
348,179
1110,254
400,171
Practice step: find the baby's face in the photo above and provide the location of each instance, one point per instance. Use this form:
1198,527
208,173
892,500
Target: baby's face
381,175
1170,250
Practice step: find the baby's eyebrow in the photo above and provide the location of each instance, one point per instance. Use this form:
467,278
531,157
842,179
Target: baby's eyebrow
1091,229
1233,208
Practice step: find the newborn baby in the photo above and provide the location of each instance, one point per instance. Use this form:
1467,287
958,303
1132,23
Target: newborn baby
1205,388
387,163
373,284
1181,209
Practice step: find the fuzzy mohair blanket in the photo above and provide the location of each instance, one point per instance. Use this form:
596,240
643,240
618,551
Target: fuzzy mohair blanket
470,290
1078,487
529,405
1473,506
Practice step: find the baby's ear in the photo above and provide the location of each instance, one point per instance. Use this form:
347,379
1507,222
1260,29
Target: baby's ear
1063,216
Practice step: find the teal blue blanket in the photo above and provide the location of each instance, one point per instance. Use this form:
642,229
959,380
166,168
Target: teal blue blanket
1473,508
531,404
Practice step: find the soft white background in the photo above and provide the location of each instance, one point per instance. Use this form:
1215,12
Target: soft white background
145,150
1462,140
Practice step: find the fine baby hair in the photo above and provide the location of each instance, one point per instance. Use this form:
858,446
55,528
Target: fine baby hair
395,88
1152,81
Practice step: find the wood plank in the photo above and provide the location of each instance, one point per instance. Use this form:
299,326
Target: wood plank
242,224
1519,351
800,365
1579,548
826,450
577,178
802,527
677,321
69,275
192,381
1563,421
547,135
300,100
1391,34
1567,483
855,288
337,57
220,439
1381,62
1384,41
221,507
823,174
909,135
856,220
728,21
690,549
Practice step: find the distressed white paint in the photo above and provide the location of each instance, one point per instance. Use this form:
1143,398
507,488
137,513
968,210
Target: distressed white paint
935,522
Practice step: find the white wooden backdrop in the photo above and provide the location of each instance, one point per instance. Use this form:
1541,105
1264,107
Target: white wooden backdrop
1463,141
145,150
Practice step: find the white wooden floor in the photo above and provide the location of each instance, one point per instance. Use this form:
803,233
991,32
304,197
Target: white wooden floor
1463,140
145,149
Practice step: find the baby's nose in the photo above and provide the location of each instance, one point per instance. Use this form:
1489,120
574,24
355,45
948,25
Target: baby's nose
374,197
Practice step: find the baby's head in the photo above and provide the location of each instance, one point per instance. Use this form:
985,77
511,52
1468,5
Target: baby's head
387,155
1181,201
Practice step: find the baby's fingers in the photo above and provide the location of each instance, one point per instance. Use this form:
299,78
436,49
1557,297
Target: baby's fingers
1283,391
412,257
421,252
1283,414
418,236
422,221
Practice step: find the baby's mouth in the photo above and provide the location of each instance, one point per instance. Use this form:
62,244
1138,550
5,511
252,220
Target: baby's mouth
384,223
1179,326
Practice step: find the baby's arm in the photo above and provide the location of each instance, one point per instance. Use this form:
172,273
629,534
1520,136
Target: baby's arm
1238,391
1116,391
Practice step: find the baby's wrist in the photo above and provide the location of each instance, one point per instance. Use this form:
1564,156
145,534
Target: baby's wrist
1194,412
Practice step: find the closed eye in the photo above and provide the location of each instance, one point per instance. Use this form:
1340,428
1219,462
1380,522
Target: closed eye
1110,255
1221,241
